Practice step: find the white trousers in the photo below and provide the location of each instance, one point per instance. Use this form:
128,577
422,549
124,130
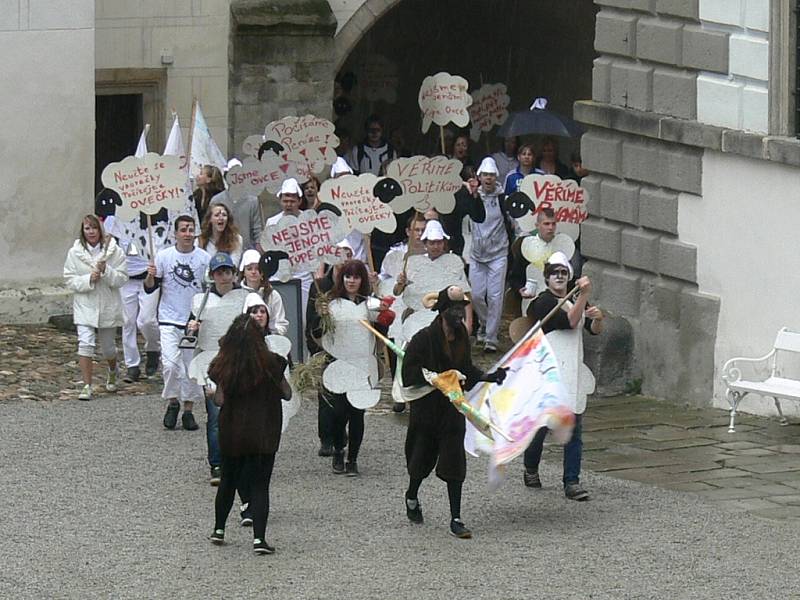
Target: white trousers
88,338
175,365
140,311
488,283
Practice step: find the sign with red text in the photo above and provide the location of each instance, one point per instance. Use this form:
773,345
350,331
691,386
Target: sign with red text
355,197
146,184
568,200
443,98
489,108
426,182
309,239
254,176
307,139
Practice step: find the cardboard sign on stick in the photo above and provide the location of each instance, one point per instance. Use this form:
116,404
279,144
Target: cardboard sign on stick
489,108
307,139
568,200
443,98
254,176
426,182
355,197
146,184
308,239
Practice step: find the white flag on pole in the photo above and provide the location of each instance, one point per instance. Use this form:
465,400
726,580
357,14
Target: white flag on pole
141,147
204,150
174,146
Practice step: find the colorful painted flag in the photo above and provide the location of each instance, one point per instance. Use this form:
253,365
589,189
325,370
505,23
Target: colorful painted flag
204,150
531,397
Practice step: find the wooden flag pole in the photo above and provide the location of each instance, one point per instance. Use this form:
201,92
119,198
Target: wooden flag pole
150,237
441,137
191,132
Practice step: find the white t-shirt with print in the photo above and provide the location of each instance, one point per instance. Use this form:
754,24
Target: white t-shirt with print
181,275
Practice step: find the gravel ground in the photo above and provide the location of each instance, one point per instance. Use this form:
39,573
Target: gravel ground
101,501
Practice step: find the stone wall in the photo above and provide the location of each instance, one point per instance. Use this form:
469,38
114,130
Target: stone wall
281,63
47,145
651,54
187,37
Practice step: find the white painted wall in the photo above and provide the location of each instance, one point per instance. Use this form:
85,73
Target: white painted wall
133,34
47,144
738,99
746,227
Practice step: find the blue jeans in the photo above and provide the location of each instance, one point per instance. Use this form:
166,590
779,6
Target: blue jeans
572,452
212,432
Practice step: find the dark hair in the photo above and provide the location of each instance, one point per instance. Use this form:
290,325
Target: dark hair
545,212
549,268
468,172
354,268
183,218
98,224
250,312
228,237
373,118
526,147
243,362
414,218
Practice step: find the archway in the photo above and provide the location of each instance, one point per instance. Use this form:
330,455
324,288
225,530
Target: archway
537,48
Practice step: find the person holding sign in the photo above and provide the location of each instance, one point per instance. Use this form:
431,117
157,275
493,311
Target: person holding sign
218,233
436,428
178,271
95,271
565,333
489,256
250,385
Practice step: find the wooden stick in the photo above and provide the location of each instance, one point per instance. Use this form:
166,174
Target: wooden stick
441,137
532,331
150,237
370,260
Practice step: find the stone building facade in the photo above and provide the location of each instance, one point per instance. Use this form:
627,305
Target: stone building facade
691,144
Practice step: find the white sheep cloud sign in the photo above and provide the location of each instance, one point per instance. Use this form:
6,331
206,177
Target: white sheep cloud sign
426,183
308,240
443,98
568,200
355,197
306,139
489,108
146,184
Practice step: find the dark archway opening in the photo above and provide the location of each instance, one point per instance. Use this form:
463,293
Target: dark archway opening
536,47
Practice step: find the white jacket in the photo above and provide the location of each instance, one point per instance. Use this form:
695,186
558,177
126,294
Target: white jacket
96,304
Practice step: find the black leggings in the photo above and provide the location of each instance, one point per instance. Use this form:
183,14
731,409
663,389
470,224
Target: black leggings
347,421
251,474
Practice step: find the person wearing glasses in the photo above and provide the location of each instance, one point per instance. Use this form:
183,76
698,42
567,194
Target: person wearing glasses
369,155
564,333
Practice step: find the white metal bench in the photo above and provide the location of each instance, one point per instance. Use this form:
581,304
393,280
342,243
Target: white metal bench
775,386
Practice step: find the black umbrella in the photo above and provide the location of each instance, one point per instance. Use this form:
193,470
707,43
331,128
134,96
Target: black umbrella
541,121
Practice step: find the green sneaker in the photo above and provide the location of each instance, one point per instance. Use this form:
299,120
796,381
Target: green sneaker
86,393
111,381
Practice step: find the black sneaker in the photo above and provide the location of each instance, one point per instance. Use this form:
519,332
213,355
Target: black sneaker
398,407
171,416
351,468
262,547
151,363
531,479
414,510
132,376
573,491
325,449
216,472
217,537
458,529
338,463
188,422
246,516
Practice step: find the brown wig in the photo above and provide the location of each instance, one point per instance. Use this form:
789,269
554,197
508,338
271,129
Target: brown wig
243,363
354,268
96,222
227,239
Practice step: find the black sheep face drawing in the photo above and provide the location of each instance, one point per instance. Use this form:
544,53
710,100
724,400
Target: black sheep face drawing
160,221
271,146
519,204
329,207
106,203
270,262
387,189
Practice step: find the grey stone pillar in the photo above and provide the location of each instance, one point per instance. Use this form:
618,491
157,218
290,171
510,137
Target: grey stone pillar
281,63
